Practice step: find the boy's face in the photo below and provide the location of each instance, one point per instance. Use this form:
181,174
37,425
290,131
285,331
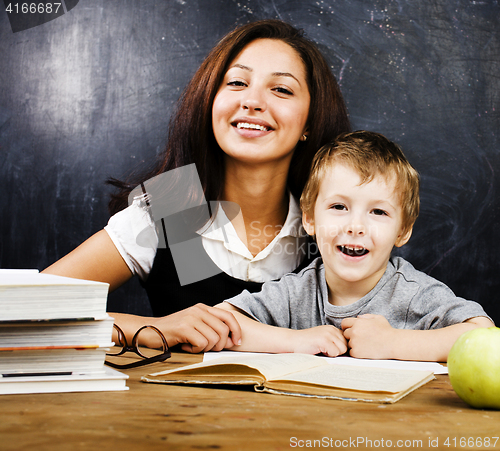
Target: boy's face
356,228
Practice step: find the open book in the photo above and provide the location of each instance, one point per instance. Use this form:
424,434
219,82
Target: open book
299,375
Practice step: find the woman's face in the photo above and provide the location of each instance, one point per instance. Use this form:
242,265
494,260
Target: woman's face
260,110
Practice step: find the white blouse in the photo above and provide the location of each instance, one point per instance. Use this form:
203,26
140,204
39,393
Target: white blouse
220,241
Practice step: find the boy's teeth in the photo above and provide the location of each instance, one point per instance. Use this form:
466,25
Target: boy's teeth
251,126
353,251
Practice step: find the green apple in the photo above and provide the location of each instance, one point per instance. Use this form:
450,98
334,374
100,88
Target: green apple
474,367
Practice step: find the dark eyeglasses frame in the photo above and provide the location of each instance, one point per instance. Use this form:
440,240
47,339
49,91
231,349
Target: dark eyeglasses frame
135,348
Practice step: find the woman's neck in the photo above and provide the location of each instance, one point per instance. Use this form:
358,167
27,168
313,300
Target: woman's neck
262,195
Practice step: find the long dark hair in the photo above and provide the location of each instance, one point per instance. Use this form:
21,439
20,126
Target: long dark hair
191,138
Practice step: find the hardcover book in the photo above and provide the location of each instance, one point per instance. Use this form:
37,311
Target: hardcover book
299,375
54,334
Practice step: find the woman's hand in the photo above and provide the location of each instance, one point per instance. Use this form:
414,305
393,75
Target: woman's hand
326,340
199,328
369,336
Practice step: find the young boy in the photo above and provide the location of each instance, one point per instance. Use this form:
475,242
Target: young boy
361,200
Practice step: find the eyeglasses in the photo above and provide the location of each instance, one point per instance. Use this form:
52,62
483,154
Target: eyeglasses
163,352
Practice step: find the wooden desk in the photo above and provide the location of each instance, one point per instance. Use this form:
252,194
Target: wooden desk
165,417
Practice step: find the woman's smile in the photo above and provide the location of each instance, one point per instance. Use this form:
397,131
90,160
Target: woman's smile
251,127
260,111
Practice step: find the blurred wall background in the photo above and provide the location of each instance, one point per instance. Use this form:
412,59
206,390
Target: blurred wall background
88,96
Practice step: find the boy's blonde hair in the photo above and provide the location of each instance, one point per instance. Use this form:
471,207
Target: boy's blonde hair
369,154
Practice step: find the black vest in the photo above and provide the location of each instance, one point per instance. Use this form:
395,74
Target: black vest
167,296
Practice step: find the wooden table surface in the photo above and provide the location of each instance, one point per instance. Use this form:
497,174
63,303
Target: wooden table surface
166,417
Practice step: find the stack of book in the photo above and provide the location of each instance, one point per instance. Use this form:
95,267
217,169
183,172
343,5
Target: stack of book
54,334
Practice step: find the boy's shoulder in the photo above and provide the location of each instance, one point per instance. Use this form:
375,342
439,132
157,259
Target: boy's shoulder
402,266
405,269
307,284
312,272
315,266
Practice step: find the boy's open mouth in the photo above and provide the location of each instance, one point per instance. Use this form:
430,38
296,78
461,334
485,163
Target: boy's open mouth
353,251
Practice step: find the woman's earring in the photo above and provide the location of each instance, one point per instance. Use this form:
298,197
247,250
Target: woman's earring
303,137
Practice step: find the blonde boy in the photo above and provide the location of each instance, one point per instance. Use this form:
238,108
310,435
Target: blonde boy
361,200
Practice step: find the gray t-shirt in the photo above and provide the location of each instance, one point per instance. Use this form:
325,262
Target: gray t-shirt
406,297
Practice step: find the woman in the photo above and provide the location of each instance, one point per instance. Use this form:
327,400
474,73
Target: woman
251,119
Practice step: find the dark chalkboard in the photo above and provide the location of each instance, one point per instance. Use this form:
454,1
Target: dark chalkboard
88,95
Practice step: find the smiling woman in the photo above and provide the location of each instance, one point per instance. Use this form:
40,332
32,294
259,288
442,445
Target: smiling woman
251,119
260,111
259,115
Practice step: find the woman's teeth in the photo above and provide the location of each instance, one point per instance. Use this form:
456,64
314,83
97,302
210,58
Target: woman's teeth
251,126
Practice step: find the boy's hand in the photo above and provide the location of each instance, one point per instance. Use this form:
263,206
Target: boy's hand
326,340
369,336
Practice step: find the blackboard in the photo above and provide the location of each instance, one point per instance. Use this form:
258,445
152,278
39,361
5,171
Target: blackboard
88,96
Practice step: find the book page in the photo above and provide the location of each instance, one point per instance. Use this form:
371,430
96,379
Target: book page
358,378
435,367
269,365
